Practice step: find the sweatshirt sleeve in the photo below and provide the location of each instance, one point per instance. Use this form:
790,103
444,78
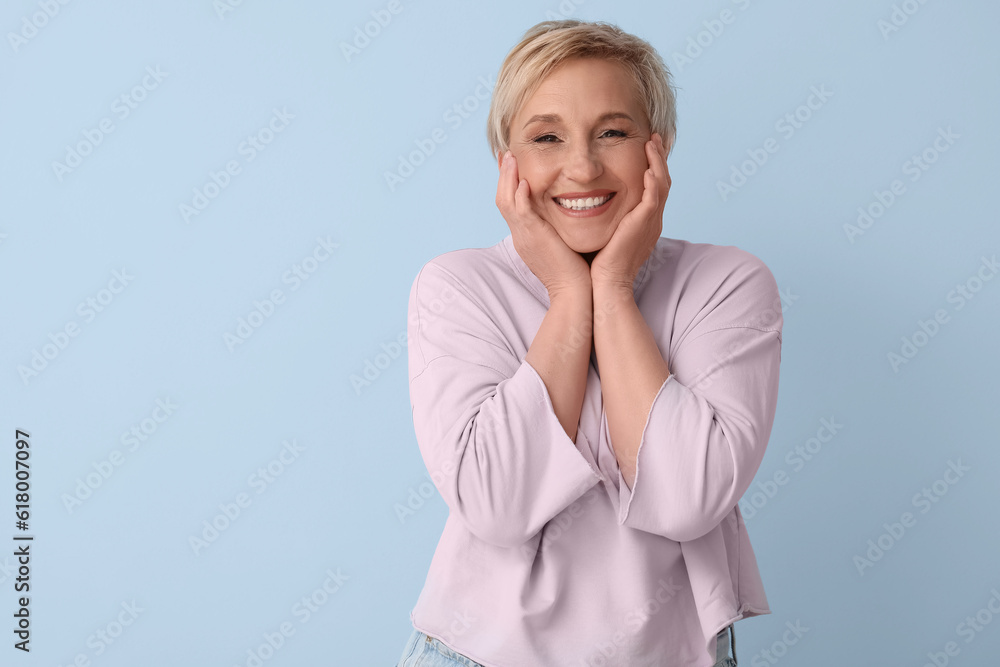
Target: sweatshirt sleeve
483,418
709,424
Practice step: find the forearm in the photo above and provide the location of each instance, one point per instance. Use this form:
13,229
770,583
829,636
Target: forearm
560,354
632,371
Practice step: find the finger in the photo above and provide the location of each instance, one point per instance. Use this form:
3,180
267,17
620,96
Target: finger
507,192
661,146
512,181
523,208
650,193
658,165
502,184
655,157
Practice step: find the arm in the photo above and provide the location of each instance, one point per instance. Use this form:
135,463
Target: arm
560,354
632,371
689,441
484,420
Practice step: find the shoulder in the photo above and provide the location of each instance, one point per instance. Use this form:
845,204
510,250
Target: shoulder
477,275
711,263
723,283
470,263
459,305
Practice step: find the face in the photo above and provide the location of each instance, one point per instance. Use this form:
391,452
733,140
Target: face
582,135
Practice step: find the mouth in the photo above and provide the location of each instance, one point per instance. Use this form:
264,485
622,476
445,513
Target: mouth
583,203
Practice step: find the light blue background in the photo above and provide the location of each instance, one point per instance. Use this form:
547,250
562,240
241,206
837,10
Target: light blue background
333,507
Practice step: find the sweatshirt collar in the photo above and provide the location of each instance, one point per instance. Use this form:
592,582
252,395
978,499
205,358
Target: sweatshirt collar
538,287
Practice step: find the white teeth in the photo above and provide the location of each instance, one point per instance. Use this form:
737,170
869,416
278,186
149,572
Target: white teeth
582,204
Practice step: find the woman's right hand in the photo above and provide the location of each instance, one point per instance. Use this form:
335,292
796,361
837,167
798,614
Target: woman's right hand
559,267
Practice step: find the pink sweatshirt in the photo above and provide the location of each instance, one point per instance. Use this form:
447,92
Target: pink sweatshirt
547,557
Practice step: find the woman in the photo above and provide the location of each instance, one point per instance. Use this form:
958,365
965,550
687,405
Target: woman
591,400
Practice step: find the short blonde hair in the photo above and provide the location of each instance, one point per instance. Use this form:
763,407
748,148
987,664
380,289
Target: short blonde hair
546,45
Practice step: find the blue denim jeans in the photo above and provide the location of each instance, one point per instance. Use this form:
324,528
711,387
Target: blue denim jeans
424,651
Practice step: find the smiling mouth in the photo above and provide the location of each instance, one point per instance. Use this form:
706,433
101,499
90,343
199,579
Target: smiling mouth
583,204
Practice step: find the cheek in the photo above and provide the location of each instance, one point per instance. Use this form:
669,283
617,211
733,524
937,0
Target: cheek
628,165
638,162
533,170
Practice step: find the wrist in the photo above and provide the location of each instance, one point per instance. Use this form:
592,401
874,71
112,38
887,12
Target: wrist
613,288
576,292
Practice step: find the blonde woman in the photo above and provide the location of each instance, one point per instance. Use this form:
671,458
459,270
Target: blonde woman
590,399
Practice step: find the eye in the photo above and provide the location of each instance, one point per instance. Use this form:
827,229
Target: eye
551,138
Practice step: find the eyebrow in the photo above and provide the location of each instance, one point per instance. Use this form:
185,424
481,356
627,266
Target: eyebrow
554,118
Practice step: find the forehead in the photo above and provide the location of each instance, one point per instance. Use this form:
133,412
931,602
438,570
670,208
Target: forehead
582,88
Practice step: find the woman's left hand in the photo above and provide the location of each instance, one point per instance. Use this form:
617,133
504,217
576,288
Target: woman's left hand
618,262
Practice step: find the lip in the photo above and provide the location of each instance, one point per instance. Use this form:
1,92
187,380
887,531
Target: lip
590,212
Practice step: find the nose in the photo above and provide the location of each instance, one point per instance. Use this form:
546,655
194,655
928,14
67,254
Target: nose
582,163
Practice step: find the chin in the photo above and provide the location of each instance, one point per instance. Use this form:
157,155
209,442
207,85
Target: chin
584,243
